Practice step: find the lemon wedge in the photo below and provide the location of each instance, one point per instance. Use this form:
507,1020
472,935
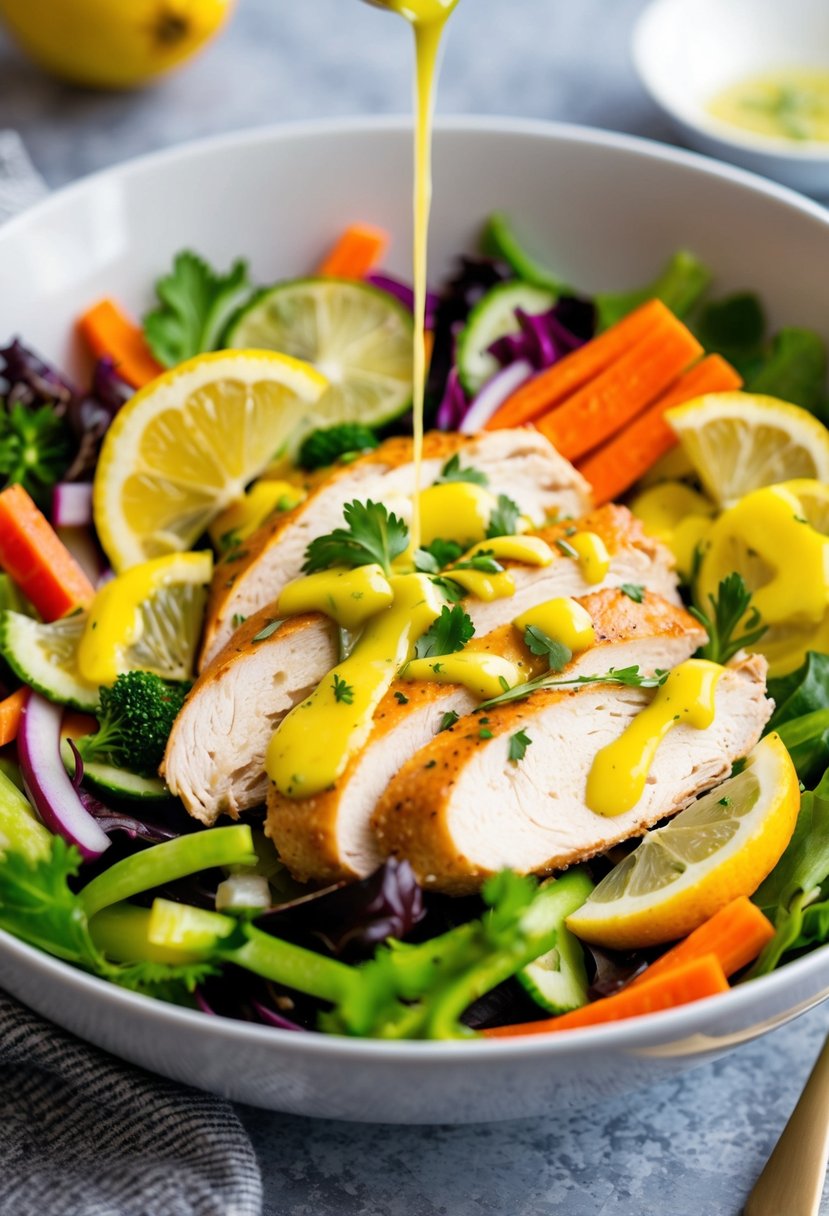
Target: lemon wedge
721,847
739,442
184,448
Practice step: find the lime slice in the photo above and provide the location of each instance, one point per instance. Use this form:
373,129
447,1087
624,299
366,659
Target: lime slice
492,318
720,848
44,656
739,442
184,448
357,336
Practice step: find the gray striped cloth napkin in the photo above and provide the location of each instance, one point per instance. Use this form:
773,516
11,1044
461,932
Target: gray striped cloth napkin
81,1133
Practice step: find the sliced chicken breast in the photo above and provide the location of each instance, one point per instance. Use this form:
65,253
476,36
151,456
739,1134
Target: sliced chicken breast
215,758
460,811
520,463
330,836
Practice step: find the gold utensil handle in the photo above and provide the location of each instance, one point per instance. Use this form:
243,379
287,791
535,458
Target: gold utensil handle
791,1183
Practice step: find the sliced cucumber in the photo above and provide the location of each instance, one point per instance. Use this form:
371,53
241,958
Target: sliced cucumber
358,336
117,781
557,981
44,657
492,318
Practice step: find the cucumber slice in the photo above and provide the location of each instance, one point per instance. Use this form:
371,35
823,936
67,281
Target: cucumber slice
492,318
499,241
557,981
44,657
118,781
358,336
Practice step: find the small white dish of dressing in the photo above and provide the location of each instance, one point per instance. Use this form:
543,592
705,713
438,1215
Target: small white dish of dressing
689,52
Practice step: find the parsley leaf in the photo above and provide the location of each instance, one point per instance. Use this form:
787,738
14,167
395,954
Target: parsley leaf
538,642
728,609
452,471
372,535
195,305
518,745
343,691
448,720
432,558
450,632
634,591
504,519
483,561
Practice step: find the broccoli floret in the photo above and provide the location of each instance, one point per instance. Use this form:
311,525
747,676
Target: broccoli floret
135,718
332,443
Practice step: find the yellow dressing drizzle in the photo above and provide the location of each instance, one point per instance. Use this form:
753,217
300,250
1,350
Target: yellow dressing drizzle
564,620
242,518
620,770
349,597
529,550
458,510
115,621
312,746
485,675
482,586
593,557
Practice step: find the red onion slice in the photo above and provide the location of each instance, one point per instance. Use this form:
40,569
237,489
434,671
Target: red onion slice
493,395
47,783
72,504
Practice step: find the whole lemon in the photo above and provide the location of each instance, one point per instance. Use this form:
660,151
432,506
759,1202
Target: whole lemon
112,44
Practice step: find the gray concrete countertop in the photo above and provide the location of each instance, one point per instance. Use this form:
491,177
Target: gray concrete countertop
687,1148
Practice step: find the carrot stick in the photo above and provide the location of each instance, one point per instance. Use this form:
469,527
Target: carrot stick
356,253
735,935
11,711
692,981
37,560
108,331
571,373
616,465
622,391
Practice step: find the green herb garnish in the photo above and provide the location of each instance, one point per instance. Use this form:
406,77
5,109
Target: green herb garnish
372,535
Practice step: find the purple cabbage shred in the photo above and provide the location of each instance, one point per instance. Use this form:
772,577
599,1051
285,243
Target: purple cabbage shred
544,339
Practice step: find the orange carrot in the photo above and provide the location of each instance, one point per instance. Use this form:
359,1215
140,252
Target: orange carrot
37,560
557,383
108,331
735,935
11,711
356,253
618,394
692,981
616,465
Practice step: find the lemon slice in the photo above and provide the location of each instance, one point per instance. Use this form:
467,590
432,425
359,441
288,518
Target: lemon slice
813,497
721,847
359,337
186,446
738,442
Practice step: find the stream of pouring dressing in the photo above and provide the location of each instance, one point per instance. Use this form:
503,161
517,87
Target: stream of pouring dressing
428,19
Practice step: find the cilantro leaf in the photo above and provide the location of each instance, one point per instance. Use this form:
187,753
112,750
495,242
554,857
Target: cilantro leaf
504,519
195,305
449,633
729,608
452,471
432,558
372,535
634,591
538,642
518,744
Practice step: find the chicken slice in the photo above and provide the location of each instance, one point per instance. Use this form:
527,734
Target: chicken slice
460,811
330,836
215,757
519,463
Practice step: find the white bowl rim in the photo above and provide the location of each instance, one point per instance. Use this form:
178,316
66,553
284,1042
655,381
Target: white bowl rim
813,151
628,1034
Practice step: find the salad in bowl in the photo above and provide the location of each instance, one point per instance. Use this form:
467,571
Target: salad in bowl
523,732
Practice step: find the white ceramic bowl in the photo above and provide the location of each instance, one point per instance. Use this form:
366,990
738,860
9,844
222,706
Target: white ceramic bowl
607,210
687,51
